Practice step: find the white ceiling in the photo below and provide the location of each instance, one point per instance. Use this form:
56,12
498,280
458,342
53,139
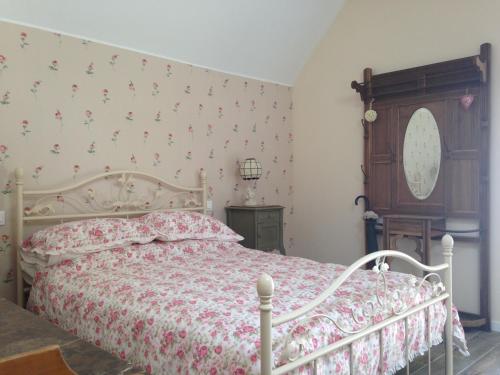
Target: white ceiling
264,39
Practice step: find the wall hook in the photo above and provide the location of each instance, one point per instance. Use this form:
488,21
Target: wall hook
365,180
365,128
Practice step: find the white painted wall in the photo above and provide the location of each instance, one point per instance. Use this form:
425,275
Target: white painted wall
385,35
263,39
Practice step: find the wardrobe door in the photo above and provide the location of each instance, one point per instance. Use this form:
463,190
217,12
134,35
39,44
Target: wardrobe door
462,147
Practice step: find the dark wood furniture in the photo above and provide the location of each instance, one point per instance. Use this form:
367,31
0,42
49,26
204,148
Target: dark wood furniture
416,227
22,331
464,134
462,189
262,226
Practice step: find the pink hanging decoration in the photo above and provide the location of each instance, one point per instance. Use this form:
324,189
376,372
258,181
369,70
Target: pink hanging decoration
466,101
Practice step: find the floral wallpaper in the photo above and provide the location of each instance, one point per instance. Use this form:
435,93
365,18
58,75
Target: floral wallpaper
70,108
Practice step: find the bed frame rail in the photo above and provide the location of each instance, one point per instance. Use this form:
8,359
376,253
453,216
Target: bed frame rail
442,291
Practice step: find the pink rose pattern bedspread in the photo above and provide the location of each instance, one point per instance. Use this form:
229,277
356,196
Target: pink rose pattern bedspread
191,307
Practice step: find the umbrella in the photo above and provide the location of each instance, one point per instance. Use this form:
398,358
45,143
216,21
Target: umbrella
370,218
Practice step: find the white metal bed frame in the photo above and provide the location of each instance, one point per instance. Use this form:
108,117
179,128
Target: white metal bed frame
441,292
45,206
49,205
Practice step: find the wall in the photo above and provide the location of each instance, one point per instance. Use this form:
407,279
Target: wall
385,35
264,39
70,108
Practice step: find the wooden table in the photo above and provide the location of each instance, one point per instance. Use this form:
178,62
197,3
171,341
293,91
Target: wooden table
22,331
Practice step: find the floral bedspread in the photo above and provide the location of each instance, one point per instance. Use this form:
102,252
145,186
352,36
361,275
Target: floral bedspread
191,307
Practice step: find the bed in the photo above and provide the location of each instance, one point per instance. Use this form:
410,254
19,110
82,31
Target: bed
189,305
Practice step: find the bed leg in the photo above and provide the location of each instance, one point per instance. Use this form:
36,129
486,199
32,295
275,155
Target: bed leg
265,289
407,348
19,235
429,342
447,243
203,183
351,363
381,350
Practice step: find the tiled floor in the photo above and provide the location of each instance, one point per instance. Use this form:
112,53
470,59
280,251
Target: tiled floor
484,359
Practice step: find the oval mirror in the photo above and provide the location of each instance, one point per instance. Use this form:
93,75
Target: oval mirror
422,153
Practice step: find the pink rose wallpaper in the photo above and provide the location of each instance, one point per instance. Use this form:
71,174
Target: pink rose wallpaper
70,108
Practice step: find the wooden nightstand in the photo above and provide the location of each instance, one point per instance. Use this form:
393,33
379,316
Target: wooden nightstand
262,226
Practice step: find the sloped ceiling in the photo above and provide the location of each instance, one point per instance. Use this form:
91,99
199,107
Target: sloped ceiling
264,39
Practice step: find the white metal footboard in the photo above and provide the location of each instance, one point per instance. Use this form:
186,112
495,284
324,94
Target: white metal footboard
265,289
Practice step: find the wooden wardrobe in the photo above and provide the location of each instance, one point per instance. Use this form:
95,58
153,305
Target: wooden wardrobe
461,190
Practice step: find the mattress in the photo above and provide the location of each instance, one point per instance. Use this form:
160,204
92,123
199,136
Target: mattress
191,307
31,263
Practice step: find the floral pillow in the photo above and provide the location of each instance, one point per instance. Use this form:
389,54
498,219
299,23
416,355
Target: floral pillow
186,225
91,235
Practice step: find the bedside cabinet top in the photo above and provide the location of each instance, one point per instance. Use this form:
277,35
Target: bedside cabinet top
253,208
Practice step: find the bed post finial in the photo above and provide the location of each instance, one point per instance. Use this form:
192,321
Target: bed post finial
447,243
265,289
19,173
203,174
265,286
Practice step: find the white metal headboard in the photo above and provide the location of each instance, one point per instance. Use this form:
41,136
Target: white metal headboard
112,194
